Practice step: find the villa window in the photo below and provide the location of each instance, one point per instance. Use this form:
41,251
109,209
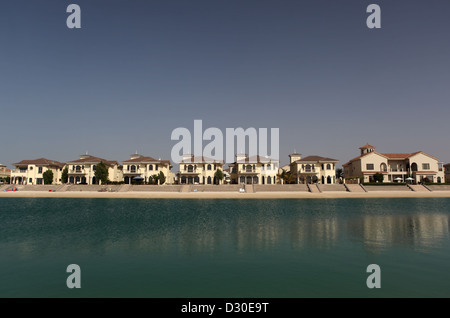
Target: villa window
425,166
209,167
322,169
128,168
31,168
190,168
185,167
156,167
93,167
269,167
369,166
78,169
40,170
150,167
328,167
215,168
133,169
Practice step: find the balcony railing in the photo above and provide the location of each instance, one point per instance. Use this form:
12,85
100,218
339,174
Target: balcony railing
307,170
247,170
19,171
77,171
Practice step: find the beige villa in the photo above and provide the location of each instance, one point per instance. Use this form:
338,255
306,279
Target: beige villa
447,172
254,170
143,168
31,171
198,170
82,171
4,172
395,167
313,169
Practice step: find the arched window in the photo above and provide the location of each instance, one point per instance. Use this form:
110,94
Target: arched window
209,167
190,168
308,168
323,178
328,166
322,168
78,169
133,168
209,180
150,167
329,180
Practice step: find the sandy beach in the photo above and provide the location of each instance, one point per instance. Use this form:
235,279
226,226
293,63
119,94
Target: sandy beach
224,195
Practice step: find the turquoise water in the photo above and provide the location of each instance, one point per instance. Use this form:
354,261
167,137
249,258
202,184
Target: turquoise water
224,248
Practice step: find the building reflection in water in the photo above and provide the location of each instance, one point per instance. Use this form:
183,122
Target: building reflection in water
263,229
420,232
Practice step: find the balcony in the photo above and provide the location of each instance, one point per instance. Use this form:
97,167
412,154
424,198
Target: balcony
77,171
19,171
133,172
247,171
307,171
191,171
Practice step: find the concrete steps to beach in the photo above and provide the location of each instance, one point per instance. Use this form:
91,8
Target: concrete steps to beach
355,188
313,188
124,188
418,188
155,188
332,188
280,188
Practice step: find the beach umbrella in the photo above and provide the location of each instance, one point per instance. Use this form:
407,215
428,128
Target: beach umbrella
138,178
410,179
398,179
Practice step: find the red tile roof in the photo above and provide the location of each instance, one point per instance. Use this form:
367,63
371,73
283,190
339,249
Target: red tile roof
40,162
145,159
367,146
315,159
257,159
94,160
200,159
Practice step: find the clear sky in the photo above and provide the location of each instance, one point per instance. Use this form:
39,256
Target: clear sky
136,70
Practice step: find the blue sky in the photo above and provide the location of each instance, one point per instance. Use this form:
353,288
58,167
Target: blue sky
136,70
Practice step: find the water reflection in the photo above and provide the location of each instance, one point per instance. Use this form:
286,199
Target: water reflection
183,227
421,232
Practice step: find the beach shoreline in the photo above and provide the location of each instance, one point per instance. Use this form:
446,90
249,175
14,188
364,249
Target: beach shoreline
224,195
